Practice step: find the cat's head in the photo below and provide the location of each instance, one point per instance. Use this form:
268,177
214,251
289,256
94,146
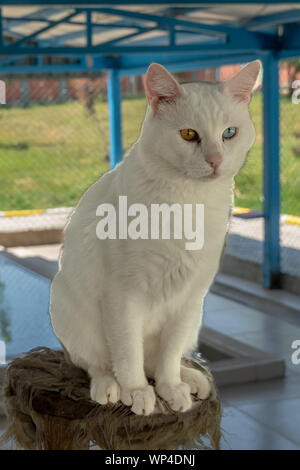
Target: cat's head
198,129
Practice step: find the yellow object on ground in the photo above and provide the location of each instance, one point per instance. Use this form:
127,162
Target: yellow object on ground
23,212
240,210
292,219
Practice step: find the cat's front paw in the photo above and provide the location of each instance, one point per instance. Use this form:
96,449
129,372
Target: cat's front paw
197,381
178,396
105,389
141,400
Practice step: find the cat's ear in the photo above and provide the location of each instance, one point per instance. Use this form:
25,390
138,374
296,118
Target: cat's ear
240,86
161,86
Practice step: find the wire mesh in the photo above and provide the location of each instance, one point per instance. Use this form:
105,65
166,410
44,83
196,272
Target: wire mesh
246,233
290,169
54,143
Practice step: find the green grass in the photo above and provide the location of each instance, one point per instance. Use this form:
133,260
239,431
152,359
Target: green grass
248,190
50,154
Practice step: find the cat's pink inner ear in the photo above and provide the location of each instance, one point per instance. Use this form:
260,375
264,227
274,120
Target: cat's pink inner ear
160,85
240,86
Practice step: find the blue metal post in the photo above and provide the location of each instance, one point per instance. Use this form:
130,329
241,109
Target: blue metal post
115,125
89,33
271,178
1,29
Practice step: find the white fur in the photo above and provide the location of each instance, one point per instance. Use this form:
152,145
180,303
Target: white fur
127,308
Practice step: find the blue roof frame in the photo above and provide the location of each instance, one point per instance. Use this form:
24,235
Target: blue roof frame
139,2
256,36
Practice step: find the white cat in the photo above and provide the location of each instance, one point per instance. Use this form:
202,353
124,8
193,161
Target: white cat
127,309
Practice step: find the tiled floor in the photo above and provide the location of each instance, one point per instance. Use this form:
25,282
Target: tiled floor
264,415
242,432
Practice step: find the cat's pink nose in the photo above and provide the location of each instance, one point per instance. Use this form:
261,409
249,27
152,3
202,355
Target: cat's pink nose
214,159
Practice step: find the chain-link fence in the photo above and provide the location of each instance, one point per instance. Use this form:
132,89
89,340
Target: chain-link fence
290,169
54,143
246,232
54,140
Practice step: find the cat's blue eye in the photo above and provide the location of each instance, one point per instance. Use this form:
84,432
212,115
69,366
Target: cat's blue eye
229,132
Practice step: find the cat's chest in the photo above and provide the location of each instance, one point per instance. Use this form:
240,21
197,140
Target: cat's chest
171,275
171,298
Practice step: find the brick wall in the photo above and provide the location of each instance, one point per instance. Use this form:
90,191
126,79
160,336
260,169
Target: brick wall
43,90
12,90
26,90
228,71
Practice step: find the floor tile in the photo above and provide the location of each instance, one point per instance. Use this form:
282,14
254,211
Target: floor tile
2,423
241,432
259,392
275,342
216,302
5,446
232,322
235,318
282,416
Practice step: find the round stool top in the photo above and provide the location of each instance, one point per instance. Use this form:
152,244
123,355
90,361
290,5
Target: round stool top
43,389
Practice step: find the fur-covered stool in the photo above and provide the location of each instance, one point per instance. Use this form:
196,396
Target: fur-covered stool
48,407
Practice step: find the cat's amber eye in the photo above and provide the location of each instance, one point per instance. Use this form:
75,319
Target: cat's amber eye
229,132
189,135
